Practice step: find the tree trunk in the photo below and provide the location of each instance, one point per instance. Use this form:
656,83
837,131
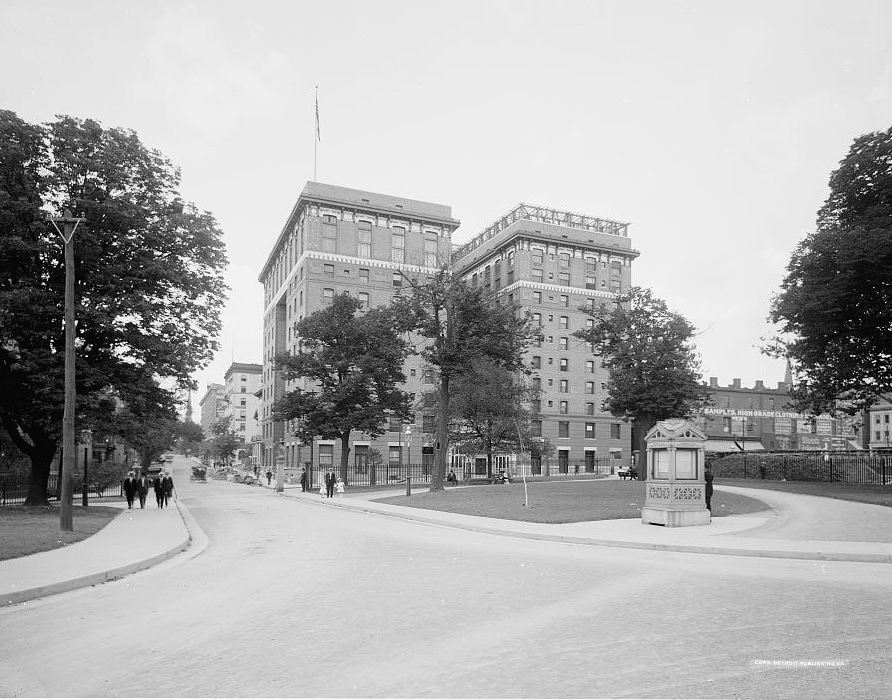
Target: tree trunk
439,471
640,427
345,455
41,463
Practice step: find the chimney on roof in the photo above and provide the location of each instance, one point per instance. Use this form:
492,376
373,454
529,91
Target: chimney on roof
759,384
713,382
736,384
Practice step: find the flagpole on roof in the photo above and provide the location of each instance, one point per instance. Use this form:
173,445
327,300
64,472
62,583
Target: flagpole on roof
318,136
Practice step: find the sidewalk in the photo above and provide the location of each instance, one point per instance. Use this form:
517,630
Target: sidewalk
795,527
134,540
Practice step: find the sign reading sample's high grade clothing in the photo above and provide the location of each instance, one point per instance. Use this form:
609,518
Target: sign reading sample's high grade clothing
824,426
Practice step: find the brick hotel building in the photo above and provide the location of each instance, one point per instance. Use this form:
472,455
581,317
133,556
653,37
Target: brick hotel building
546,261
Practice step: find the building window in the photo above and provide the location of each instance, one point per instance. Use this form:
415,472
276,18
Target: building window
537,256
564,386
363,300
537,274
398,245
563,343
590,431
395,455
536,428
395,426
564,322
615,429
326,456
589,387
328,271
397,280
589,366
564,279
537,320
327,296
537,362
363,275
590,282
430,249
364,240
564,259
536,406
329,233
590,409
564,407
565,364
428,376
563,429
565,300
537,297
537,384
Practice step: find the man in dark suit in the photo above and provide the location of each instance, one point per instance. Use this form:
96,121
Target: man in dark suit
130,489
330,480
167,487
142,489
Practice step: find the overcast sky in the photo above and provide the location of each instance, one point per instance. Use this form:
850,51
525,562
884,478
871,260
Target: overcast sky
712,127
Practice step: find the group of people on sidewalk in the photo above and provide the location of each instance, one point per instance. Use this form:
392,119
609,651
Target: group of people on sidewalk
137,487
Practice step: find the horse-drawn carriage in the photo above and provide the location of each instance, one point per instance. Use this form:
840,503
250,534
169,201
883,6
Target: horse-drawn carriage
198,473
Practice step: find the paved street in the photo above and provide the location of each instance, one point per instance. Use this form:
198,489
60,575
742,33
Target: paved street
297,598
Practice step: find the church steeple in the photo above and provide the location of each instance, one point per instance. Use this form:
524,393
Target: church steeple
788,375
189,407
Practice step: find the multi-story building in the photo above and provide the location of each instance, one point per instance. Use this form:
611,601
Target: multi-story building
553,264
879,419
242,380
212,407
759,418
339,240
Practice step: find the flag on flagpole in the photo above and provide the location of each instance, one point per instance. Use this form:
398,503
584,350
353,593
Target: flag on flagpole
318,135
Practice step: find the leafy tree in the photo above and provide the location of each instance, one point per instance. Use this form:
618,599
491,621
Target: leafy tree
460,323
352,361
654,369
189,436
225,440
834,310
489,407
149,280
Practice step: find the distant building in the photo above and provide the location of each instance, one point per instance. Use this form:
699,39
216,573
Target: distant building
551,262
339,240
879,420
242,381
212,407
760,418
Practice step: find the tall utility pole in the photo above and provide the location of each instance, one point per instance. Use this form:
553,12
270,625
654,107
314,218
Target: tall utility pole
69,456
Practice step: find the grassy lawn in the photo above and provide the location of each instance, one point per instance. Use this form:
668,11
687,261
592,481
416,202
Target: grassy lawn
30,530
878,495
558,501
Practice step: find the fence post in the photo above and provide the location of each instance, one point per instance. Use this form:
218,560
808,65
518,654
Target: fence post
408,484
784,467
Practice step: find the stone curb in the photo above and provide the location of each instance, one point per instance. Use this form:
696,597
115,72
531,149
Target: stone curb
858,557
112,574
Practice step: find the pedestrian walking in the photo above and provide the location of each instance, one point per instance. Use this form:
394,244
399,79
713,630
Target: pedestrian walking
707,476
330,483
304,481
167,487
339,487
269,476
322,488
158,487
130,487
142,490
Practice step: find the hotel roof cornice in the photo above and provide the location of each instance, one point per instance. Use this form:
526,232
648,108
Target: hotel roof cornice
545,215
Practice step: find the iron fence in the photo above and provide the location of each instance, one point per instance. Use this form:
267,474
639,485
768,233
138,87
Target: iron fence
14,490
845,467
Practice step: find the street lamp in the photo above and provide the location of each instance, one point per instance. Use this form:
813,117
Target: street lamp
86,441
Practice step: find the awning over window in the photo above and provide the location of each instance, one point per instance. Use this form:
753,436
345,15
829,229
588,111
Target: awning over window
731,446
